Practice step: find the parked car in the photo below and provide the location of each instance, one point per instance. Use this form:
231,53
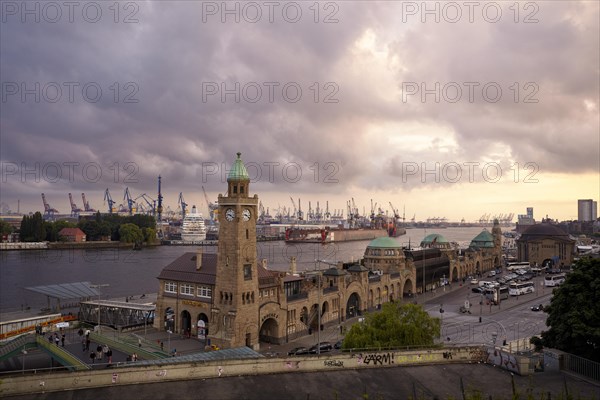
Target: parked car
538,308
323,348
474,281
492,273
338,344
297,351
478,289
464,310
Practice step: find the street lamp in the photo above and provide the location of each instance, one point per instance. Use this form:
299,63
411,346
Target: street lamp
97,287
23,352
318,307
169,342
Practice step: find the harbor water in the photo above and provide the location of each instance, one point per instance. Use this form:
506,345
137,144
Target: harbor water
130,272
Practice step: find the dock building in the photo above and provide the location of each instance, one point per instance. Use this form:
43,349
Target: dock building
232,299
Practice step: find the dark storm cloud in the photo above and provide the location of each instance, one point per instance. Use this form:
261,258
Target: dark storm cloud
163,62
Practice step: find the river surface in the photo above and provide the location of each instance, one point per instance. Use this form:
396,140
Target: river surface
129,272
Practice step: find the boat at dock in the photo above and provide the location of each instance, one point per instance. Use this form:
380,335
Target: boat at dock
327,234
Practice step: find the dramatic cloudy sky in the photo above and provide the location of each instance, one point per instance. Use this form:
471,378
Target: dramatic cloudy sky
491,108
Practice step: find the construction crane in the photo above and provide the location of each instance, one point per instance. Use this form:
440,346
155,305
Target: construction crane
294,204
300,213
48,211
74,209
130,201
159,207
182,204
111,203
396,215
212,208
327,213
86,204
150,201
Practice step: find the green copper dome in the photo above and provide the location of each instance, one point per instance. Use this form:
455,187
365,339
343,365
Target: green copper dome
484,239
433,238
238,171
384,242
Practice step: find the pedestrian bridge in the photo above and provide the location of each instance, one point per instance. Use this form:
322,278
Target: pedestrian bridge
117,314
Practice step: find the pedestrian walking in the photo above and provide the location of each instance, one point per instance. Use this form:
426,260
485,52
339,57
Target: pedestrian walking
109,355
93,357
105,351
83,344
80,332
99,353
87,343
162,346
56,339
62,340
139,342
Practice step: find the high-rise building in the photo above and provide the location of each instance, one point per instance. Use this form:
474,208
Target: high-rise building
587,210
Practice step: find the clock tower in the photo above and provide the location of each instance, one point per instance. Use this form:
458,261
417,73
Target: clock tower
235,306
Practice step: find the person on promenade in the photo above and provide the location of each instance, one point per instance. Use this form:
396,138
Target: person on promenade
62,340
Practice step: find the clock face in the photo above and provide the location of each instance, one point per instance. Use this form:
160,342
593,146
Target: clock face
246,214
230,214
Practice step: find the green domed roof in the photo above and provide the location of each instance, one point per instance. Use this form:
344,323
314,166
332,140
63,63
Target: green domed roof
433,238
484,239
238,170
384,242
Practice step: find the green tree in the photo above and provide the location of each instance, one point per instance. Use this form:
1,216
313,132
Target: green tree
574,312
5,228
33,228
130,233
394,326
149,235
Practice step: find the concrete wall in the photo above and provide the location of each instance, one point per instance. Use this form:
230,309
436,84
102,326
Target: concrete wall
46,382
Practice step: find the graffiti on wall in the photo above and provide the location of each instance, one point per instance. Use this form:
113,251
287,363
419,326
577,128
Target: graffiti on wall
333,363
503,359
376,359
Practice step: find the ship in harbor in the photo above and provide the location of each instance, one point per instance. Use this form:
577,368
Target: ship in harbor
328,234
193,228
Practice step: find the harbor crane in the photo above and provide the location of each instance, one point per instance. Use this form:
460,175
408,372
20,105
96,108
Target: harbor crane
182,204
130,201
48,211
74,209
111,203
159,207
86,204
212,208
150,201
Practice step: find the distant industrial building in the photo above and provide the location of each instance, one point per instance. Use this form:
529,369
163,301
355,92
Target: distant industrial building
587,210
525,220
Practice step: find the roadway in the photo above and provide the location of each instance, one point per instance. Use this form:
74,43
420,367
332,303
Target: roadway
511,320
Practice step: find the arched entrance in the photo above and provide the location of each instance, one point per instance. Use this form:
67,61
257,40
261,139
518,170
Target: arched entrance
407,290
186,322
202,325
169,319
455,276
268,331
548,263
353,306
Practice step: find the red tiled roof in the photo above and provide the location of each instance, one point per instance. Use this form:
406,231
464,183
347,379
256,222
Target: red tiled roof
71,232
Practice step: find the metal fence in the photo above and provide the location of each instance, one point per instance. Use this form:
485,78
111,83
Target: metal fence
581,366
